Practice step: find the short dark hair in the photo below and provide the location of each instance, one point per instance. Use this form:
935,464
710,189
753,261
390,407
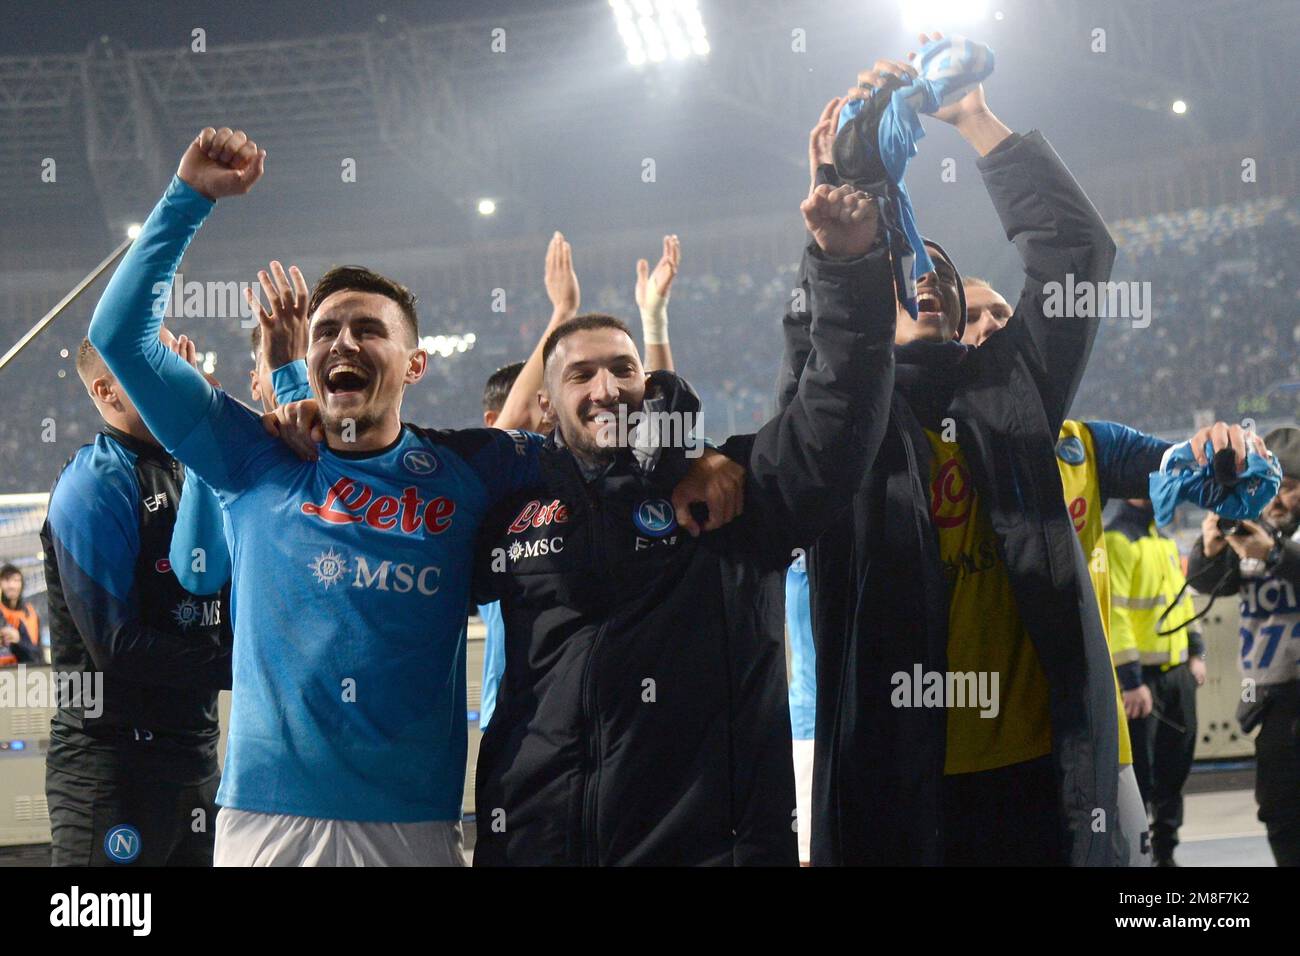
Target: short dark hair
498,386
361,279
9,570
581,323
89,364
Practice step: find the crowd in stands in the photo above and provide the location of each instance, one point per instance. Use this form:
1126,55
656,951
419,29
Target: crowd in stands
1225,319
1224,332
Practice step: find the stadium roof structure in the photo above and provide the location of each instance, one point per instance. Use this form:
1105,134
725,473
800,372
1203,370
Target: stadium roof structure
433,100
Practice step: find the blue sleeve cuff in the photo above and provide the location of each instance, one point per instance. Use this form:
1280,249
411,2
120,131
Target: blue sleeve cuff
187,200
290,382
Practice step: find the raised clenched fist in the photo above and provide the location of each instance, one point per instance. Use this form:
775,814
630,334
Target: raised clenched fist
842,220
222,162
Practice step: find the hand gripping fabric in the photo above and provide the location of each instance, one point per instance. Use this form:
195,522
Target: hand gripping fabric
877,137
1181,479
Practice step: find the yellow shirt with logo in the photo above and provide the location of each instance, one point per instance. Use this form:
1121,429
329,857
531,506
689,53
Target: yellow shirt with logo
985,634
1076,457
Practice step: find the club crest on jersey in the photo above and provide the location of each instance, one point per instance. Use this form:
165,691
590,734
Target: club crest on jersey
655,517
1070,450
418,461
122,843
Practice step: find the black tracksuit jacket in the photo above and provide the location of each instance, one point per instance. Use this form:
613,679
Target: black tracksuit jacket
879,598
163,652
642,717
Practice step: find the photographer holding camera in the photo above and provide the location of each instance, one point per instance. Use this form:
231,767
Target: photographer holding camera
1260,562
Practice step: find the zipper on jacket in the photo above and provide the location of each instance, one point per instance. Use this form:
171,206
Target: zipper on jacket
590,851
591,780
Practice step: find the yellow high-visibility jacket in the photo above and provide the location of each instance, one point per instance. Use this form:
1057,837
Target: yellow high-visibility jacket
1146,576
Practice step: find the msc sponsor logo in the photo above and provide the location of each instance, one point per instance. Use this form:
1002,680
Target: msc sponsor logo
535,549
122,843
1070,450
535,514
951,495
655,517
331,568
351,502
191,612
418,461
398,578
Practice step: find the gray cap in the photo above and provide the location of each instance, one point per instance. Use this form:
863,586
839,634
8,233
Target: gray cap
1285,443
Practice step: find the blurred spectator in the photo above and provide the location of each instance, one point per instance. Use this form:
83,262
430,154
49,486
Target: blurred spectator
19,617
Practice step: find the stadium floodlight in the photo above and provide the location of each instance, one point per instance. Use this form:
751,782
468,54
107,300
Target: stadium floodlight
1179,107
655,30
444,346
133,230
927,15
486,207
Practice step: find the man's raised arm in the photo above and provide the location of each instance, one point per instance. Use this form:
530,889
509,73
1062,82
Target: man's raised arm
172,397
652,292
805,463
1057,232
521,409
797,318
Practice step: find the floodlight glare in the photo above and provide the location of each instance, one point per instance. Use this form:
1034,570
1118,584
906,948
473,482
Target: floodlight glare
654,30
921,15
